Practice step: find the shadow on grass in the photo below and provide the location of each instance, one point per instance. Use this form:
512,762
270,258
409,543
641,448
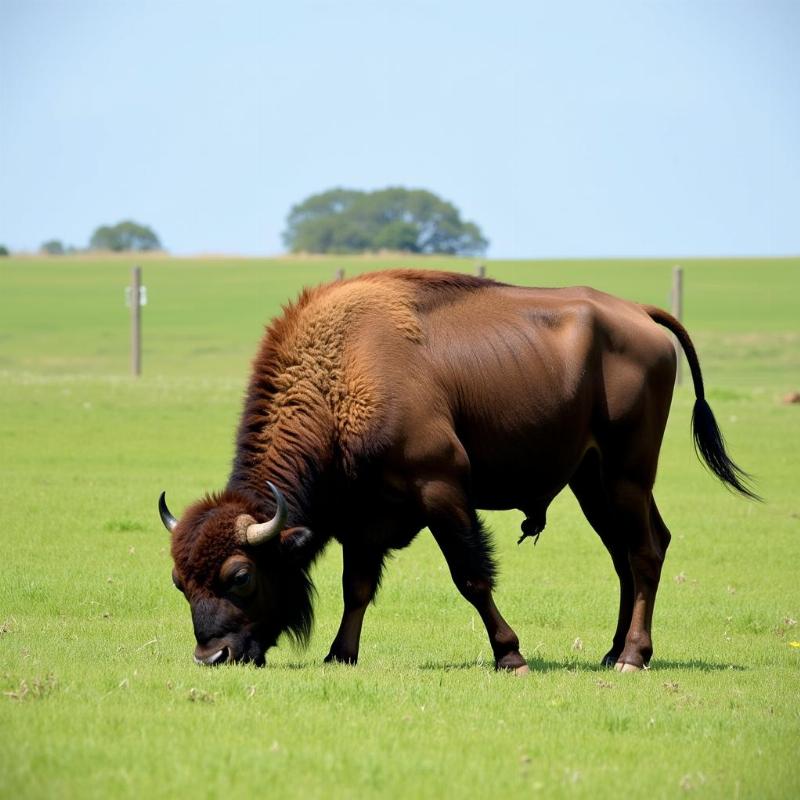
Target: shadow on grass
699,665
538,665
541,665
294,665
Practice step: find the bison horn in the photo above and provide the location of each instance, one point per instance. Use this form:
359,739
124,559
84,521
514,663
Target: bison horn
260,532
169,521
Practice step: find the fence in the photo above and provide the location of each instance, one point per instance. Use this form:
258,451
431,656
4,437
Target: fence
137,297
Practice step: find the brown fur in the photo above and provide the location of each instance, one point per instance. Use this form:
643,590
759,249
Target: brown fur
399,400
197,548
309,392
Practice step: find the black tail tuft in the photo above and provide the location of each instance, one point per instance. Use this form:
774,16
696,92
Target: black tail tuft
710,446
708,442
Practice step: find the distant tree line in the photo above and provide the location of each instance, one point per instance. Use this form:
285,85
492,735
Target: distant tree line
335,221
353,221
55,247
125,236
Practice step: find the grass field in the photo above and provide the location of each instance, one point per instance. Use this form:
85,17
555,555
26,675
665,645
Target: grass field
99,696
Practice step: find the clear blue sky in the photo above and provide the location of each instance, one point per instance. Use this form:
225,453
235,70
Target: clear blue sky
561,128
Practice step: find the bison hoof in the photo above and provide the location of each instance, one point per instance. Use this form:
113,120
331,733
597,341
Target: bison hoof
512,662
341,658
622,666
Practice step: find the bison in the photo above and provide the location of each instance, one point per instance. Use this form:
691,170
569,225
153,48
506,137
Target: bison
400,400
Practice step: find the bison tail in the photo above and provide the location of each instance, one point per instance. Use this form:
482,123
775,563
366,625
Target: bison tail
709,443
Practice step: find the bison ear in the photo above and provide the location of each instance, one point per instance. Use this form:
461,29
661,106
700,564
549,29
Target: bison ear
293,540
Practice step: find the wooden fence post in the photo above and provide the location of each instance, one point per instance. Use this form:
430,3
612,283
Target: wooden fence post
136,322
339,275
677,312
480,270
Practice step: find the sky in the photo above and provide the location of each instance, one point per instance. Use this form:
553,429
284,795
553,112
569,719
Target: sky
563,129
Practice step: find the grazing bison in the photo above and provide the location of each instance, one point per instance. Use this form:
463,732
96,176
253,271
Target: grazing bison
399,400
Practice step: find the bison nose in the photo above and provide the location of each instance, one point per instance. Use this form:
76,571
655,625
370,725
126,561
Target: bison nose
212,659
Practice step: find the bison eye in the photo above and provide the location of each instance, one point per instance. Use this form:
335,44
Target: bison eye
242,582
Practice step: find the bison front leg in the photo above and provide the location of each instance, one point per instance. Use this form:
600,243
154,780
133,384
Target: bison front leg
361,576
465,546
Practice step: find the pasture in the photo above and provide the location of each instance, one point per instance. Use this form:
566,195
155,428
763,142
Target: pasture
99,695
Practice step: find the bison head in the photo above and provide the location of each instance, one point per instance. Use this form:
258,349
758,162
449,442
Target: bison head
242,575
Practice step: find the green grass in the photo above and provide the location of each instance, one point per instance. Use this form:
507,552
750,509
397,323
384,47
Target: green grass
100,696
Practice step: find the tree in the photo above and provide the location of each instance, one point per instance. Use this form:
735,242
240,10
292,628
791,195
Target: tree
53,247
351,221
3,250
126,235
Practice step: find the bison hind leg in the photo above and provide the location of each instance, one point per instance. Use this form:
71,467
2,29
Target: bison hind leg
588,486
621,508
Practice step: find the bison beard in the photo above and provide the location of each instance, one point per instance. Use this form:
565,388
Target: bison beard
402,400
